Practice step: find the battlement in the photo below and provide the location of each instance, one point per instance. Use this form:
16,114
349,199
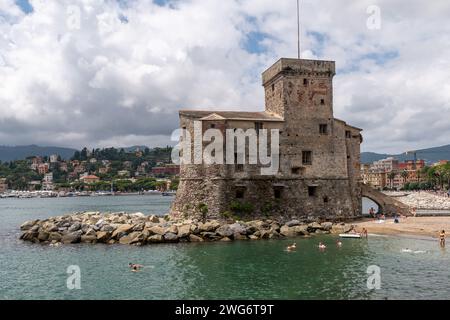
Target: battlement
299,67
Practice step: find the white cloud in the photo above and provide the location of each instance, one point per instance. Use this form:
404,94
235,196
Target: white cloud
122,73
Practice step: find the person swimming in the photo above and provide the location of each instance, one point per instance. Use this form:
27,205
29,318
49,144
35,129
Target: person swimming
135,267
339,243
292,247
407,250
322,246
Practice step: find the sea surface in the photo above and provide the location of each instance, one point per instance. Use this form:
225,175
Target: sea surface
237,270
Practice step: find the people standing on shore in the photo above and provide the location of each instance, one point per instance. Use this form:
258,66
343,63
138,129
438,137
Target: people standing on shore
364,233
442,238
372,212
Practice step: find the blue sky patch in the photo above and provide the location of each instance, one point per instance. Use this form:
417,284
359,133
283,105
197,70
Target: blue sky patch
25,6
253,42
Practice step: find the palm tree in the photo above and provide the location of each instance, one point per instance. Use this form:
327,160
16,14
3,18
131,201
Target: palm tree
405,175
391,177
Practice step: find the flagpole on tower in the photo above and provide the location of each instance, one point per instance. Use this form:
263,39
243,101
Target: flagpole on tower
298,28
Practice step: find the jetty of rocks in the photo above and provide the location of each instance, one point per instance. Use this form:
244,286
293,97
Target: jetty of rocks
139,229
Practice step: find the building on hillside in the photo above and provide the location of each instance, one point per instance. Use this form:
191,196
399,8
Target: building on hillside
90,179
169,169
54,158
3,185
319,163
43,168
47,182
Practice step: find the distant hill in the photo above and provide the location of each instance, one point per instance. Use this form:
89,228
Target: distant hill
9,153
430,155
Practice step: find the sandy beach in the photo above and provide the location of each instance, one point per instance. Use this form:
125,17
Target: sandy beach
417,226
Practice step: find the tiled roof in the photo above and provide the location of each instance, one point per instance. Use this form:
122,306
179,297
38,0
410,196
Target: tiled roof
230,115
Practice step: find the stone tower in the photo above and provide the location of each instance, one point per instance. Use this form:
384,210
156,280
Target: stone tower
319,154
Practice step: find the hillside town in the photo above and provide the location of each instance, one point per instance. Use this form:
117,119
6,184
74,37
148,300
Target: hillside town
99,171
391,174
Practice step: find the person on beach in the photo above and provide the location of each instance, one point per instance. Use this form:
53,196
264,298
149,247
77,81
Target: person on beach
372,212
442,238
448,193
364,233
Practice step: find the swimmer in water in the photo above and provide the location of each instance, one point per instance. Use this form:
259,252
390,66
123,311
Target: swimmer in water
442,238
407,250
322,246
339,243
292,247
135,267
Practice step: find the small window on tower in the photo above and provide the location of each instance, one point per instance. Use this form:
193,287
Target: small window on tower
307,157
273,87
322,101
305,82
213,125
312,191
323,129
240,192
277,193
348,134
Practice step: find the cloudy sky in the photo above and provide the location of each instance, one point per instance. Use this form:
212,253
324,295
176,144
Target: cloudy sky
115,72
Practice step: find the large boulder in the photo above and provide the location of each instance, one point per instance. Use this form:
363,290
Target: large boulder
88,239
153,219
121,229
238,228
327,226
157,238
29,235
224,231
170,237
157,230
43,236
28,225
194,238
312,227
184,231
74,227
103,236
238,236
54,236
293,223
301,230
209,226
288,231
73,237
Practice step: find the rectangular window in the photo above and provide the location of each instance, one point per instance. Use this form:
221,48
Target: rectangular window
348,134
277,193
312,191
240,193
212,126
305,82
307,157
322,101
323,129
295,170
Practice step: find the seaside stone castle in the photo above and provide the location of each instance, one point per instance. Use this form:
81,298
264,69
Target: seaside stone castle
318,174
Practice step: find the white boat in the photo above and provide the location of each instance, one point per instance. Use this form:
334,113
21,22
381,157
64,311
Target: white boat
350,235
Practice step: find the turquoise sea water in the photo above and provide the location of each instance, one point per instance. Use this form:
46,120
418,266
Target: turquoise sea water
238,270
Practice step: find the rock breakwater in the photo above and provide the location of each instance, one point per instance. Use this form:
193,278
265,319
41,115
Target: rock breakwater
139,229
